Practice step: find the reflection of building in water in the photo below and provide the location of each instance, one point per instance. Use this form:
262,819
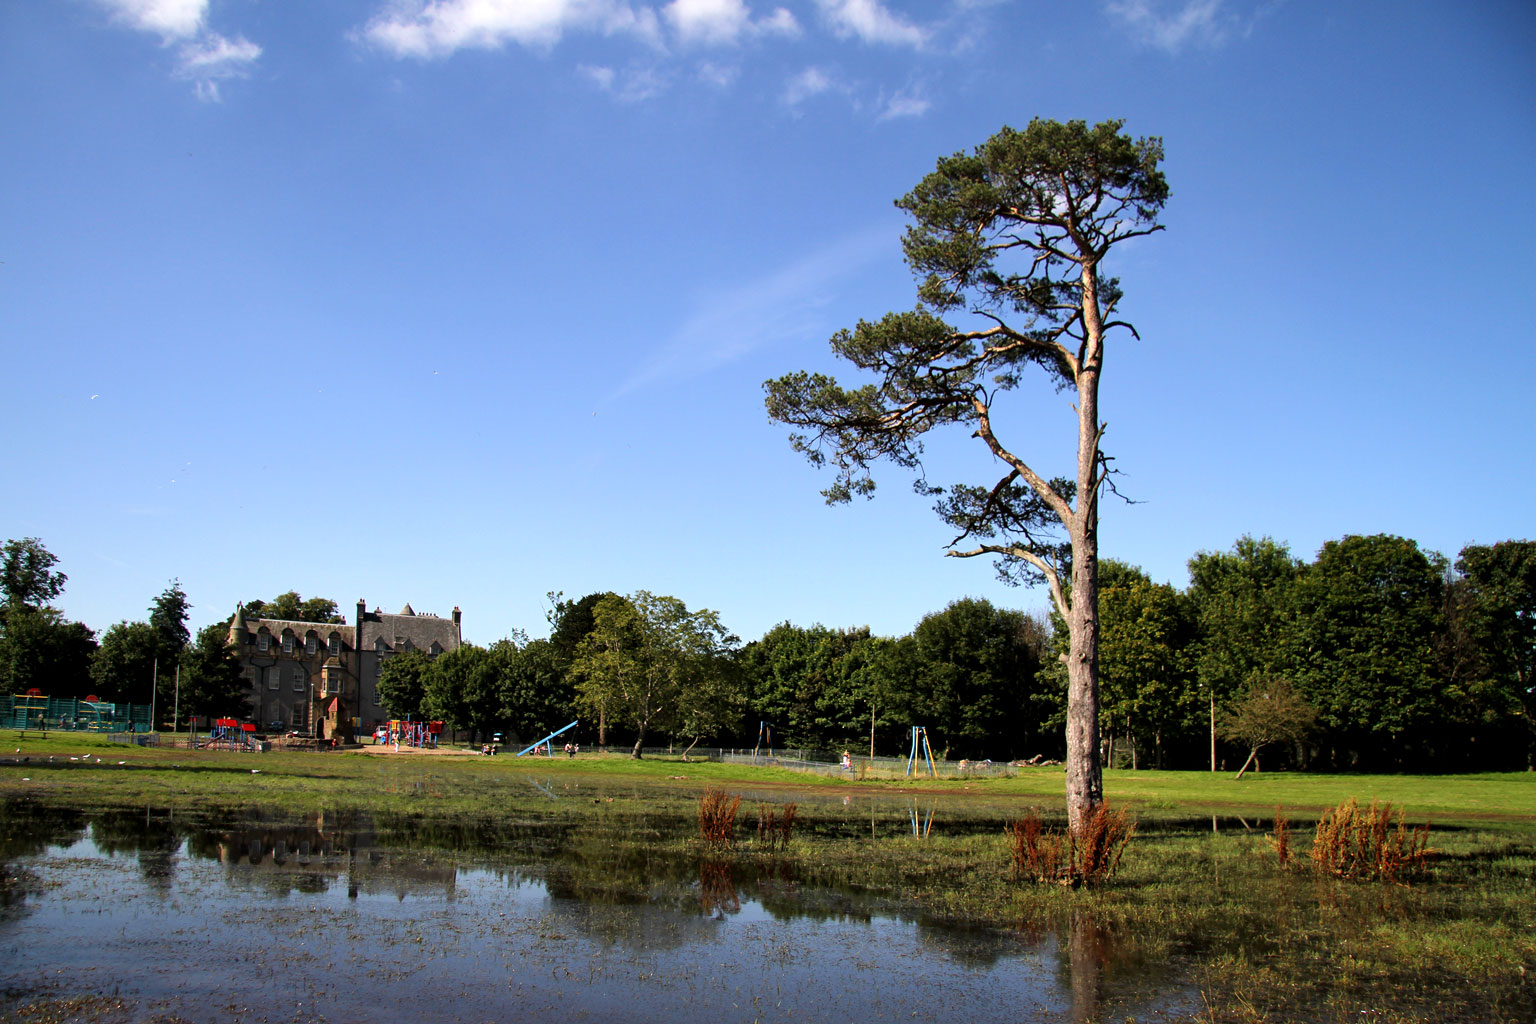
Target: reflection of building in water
310,859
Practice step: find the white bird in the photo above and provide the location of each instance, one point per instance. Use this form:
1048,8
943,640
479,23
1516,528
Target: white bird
255,771
122,762
95,396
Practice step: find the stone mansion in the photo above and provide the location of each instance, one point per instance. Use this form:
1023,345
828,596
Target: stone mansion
320,677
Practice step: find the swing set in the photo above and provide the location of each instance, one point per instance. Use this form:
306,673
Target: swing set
920,748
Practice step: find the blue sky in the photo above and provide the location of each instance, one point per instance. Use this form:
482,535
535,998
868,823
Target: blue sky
457,303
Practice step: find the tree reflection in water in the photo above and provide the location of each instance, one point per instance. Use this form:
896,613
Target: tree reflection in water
505,916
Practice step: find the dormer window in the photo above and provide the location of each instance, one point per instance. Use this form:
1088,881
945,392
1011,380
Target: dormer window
311,643
287,641
437,649
263,640
380,646
335,646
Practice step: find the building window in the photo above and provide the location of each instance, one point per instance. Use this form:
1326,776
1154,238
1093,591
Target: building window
263,641
310,644
298,680
287,642
335,647
272,678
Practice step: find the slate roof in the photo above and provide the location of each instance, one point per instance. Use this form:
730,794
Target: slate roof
420,628
299,627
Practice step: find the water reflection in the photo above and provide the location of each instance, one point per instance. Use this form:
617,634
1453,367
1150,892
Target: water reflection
344,909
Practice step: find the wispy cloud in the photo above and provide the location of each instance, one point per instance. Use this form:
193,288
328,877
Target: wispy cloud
721,76
779,306
724,22
1171,26
632,85
906,103
871,22
811,82
212,58
442,27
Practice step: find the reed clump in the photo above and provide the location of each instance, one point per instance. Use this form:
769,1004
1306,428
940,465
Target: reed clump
1280,838
1368,843
774,828
1087,857
717,818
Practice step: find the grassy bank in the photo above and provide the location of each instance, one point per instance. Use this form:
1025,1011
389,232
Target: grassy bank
91,767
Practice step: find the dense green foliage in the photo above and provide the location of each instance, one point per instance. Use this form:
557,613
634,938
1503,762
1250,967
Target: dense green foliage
1387,657
292,607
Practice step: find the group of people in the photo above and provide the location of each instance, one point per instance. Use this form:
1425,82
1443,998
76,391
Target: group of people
572,749
489,749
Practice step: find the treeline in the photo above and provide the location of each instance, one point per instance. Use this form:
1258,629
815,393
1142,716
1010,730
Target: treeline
1375,655
150,661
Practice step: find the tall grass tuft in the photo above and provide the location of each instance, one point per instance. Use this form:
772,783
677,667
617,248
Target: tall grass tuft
1088,858
774,828
1280,838
1368,843
717,818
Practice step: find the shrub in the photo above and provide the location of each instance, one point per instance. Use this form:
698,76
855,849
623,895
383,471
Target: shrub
717,818
1086,858
775,828
1368,843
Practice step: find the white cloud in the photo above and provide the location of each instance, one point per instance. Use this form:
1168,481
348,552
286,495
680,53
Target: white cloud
211,58
1172,26
717,22
441,27
786,304
204,57
907,103
173,19
810,82
871,22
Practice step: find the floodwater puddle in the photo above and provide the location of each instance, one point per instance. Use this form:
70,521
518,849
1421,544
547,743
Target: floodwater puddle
343,917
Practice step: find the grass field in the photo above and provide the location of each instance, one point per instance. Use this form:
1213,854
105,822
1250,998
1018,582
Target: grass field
1200,894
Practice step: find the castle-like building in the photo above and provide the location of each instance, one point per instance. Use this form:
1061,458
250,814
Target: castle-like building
322,677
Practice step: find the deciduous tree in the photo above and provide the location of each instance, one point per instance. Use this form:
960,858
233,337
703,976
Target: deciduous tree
40,648
646,659
1013,238
1267,711
1145,657
125,661
293,607
1499,583
27,576
1243,603
211,679
1368,611
402,683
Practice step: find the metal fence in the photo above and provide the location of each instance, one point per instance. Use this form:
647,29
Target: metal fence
66,714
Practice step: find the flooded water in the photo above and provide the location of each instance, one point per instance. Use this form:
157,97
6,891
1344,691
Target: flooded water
347,918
